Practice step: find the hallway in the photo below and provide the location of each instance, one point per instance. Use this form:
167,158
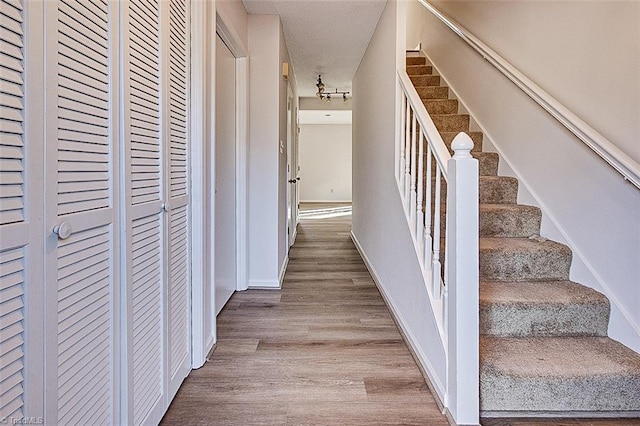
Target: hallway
323,350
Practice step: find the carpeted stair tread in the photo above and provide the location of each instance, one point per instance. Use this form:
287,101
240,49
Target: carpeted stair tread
498,190
509,220
558,374
523,259
424,80
416,60
419,69
441,106
542,308
487,163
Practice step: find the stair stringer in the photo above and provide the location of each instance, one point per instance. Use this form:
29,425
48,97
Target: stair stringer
621,323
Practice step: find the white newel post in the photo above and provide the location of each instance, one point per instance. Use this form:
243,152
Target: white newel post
463,293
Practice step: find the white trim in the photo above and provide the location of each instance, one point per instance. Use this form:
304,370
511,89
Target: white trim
621,162
264,285
410,339
231,38
198,175
283,270
325,201
237,48
242,172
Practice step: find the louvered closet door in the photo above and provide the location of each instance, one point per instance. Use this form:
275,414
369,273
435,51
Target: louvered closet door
16,214
144,190
177,194
81,288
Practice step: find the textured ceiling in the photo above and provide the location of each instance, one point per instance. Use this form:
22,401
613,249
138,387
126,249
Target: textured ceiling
327,37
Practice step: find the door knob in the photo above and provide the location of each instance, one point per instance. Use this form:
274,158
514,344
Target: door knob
63,230
292,180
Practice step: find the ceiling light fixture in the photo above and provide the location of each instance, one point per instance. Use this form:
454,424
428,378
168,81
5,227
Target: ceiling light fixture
326,94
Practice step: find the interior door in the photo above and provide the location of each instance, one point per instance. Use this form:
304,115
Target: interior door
81,208
177,193
144,177
225,175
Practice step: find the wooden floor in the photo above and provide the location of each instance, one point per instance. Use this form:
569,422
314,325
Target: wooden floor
321,351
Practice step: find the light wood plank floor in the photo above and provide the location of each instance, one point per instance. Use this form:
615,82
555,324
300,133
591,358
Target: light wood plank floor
321,351
324,350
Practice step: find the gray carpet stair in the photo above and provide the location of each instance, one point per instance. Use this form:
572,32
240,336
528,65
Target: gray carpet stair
544,349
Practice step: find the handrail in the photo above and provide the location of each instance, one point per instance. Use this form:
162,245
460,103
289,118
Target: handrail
621,162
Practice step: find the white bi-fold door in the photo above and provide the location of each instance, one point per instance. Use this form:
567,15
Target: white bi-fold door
156,205
94,210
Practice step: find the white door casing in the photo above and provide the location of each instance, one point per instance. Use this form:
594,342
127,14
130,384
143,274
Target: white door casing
225,176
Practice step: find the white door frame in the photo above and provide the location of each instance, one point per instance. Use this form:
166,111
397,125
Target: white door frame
206,23
240,52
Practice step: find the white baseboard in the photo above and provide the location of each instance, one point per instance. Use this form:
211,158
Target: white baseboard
264,285
437,387
325,201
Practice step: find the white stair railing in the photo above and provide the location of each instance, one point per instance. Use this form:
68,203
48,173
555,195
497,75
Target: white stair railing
447,250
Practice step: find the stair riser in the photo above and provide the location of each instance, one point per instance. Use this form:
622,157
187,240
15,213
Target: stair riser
451,122
416,60
434,92
503,190
516,223
525,265
553,394
519,320
441,106
419,69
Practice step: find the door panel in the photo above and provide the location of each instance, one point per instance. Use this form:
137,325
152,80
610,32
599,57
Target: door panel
225,181
179,256
80,359
144,257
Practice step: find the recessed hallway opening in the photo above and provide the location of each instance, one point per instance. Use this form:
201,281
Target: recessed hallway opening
323,350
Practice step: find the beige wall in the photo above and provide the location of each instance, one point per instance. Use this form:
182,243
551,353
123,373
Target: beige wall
325,162
586,54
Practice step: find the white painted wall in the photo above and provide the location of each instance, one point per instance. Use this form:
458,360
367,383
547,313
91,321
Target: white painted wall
263,150
586,55
325,162
267,161
283,185
380,228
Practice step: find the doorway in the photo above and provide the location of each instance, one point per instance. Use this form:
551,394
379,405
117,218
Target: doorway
225,275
